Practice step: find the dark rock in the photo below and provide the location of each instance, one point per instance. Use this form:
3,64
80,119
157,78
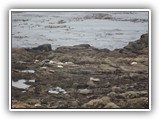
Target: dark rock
105,50
97,103
61,21
82,49
135,47
44,48
81,86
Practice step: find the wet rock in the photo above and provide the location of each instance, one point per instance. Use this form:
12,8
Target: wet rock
136,68
116,89
75,103
136,103
43,68
135,47
85,91
44,48
82,71
133,75
141,59
20,104
129,94
111,105
21,54
82,50
85,60
107,68
91,84
110,62
79,86
114,74
112,95
143,93
97,103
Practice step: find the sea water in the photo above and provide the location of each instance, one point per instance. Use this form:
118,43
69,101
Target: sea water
100,29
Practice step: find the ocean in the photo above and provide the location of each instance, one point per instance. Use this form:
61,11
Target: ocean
109,30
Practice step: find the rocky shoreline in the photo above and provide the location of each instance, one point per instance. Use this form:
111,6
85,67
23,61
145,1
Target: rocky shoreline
81,76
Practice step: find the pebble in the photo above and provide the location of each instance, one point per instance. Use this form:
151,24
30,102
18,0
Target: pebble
59,66
51,62
85,91
57,90
37,105
54,92
94,79
36,61
69,63
134,63
52,71
31,80
59,63
43,68
23,91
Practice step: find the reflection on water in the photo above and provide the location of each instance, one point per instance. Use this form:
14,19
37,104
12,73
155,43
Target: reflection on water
21,83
